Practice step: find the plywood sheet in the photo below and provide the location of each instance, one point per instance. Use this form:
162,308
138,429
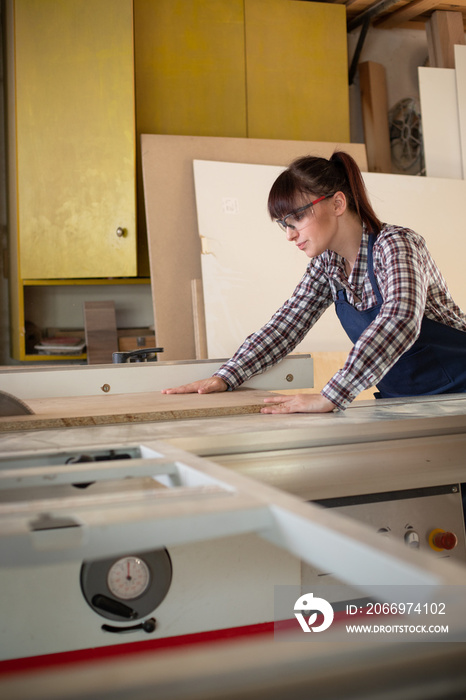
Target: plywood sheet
250,269
440,122
81,411
174,245
434,207
460,73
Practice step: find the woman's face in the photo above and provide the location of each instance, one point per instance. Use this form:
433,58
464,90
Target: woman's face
311,226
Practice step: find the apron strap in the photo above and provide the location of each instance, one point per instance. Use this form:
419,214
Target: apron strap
370,268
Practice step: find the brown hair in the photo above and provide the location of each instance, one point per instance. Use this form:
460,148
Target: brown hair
319,176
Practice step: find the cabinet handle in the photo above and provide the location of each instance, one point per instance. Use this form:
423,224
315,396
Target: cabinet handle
120,231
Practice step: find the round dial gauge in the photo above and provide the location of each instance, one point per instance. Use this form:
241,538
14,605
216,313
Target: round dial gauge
128,578
127,587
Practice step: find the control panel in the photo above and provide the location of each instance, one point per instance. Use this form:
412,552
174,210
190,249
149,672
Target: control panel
429,519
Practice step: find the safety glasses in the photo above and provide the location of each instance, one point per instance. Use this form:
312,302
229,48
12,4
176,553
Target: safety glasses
292,219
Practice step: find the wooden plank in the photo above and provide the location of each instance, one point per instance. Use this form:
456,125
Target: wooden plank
444,30
374,105
200,335
432,58
79,411
101,331
173,238
440,124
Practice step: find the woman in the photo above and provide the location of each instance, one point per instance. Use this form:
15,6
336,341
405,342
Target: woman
409,335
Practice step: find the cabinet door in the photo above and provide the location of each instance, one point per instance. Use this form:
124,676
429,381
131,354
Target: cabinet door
75,138
297,74
190,67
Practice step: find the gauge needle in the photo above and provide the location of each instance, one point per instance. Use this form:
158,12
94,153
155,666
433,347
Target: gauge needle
129,575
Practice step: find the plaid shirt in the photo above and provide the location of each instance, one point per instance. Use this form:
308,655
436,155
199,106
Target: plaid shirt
411,286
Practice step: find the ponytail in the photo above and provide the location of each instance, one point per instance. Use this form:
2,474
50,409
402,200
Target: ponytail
356,184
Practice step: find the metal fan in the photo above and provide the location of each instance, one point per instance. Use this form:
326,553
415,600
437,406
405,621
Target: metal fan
406,135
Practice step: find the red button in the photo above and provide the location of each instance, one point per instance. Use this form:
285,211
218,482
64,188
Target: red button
445,540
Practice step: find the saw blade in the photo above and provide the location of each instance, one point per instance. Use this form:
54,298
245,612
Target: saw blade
12,406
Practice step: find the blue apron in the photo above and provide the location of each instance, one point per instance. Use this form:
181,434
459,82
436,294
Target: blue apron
434,364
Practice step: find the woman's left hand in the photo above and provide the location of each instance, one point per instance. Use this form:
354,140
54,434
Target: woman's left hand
298,403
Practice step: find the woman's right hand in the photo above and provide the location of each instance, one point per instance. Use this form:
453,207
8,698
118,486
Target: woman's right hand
202,386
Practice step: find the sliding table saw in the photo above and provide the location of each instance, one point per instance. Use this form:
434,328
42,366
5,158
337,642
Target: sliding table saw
180,521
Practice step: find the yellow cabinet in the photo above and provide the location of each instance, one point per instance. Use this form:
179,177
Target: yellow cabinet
71,144
273,69
75,136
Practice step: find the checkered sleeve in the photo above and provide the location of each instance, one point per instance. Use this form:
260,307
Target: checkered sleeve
401,263
284,331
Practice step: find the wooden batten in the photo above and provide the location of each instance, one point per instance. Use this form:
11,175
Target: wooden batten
374,105
444,29
200,335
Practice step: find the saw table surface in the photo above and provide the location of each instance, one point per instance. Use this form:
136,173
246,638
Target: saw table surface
109,409
372,447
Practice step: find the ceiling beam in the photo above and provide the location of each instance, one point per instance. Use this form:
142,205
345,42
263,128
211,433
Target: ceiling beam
406,13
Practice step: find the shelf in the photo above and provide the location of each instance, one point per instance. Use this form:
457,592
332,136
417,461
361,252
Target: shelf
85,281
55,358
